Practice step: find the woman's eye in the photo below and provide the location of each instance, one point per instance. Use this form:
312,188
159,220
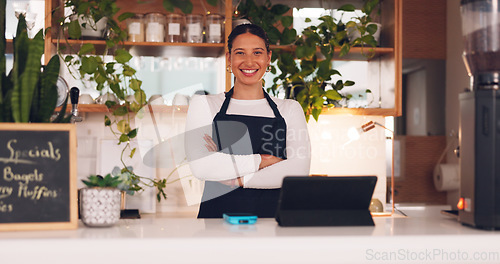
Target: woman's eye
239,53
258,52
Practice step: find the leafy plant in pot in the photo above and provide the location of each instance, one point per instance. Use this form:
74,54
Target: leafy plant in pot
111,76
29,92
100,201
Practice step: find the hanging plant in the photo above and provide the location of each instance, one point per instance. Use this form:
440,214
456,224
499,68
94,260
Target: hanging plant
306,68
116,76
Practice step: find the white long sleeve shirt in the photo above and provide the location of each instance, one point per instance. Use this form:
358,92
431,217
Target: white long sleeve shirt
217,166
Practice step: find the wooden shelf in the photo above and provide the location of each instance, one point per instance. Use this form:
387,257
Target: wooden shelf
9,49
156,48
360,111
99,108
356,53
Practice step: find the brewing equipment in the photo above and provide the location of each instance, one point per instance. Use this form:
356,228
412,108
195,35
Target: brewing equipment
479,133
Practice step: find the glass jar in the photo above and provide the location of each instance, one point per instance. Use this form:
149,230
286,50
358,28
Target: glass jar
175,27
135,27
194,28
155,27
215,28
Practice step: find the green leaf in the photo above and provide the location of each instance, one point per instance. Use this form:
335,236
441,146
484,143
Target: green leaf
74,30
135,84
318,102
125,16
345,49
349,83
48,90
132,152
123,126
132,133
212,2
124,138
324,70
29,79
115,87
107,121
369,6
287,21
347,8
168,5
279,9
122,56
333,95
288,36
120,111
89,65
370,40
128,71
110,104
274,35
86,48
68,58
372,28
140,97
368,91
316,112
307,20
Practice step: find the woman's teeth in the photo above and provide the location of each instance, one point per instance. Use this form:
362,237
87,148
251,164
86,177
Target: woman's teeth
249,71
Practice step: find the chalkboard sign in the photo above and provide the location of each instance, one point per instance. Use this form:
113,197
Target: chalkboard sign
37,176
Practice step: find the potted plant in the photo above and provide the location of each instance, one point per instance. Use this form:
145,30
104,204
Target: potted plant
100,201
28,94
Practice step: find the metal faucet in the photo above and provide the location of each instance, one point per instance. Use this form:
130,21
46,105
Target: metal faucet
74,94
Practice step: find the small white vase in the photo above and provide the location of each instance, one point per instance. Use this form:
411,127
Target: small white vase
99,206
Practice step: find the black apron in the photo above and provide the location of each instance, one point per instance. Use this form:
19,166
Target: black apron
234,134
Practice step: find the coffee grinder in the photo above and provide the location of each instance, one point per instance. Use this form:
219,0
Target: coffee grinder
479,132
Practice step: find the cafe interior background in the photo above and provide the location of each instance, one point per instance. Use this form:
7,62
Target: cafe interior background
433,75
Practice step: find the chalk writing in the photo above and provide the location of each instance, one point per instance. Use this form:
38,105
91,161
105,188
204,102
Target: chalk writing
35,193
8,175
24,155
6,208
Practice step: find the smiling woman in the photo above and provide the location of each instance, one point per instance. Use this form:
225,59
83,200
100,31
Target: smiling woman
236,141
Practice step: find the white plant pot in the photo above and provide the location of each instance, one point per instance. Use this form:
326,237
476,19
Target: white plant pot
99,206
92,30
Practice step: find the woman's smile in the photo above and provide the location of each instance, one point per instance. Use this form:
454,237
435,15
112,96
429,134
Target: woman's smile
249,73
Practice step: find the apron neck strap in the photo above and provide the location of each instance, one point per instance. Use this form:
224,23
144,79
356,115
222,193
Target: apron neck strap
229,94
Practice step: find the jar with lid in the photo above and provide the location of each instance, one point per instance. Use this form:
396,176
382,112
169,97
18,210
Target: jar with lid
175,27
215,28
194,28
135,27
155,27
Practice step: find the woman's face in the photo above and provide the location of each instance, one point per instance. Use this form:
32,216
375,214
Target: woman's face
249,59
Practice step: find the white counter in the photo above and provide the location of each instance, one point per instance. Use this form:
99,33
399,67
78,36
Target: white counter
424,236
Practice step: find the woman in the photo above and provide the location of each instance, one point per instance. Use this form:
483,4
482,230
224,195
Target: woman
244,142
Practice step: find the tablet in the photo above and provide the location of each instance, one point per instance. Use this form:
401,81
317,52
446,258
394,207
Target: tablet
326,201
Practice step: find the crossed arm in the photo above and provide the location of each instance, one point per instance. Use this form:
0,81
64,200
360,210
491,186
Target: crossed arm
249,171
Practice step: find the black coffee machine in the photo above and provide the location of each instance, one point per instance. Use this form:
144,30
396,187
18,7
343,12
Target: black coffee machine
479,132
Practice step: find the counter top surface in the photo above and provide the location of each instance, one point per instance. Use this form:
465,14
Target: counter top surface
425,235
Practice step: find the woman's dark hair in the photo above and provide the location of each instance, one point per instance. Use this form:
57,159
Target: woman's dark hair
247,28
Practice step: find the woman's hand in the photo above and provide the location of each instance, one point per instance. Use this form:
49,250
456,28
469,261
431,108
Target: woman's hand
268,160
210,143
233,182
